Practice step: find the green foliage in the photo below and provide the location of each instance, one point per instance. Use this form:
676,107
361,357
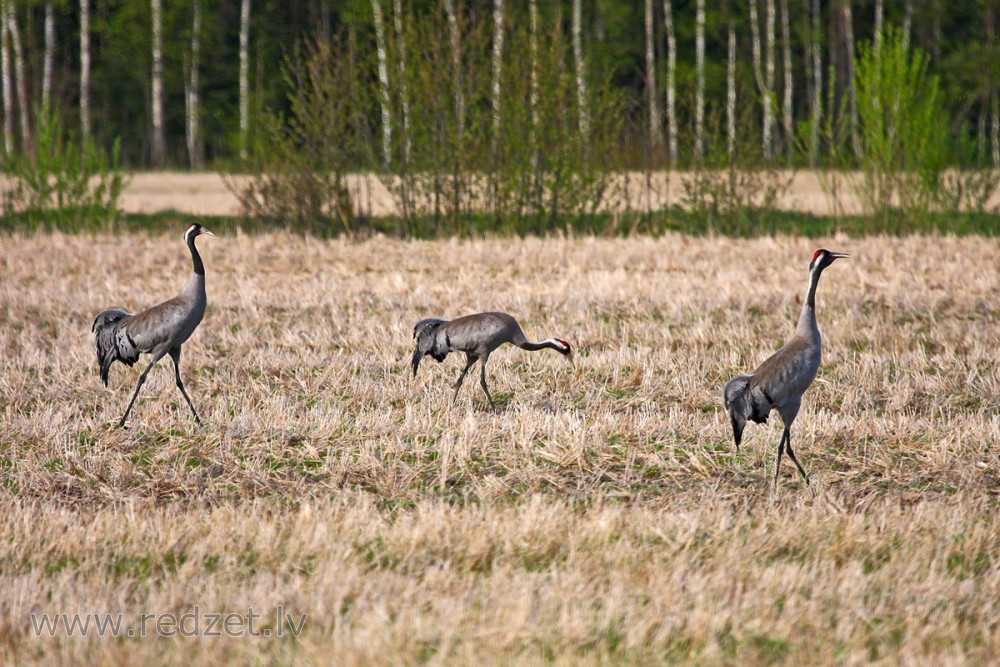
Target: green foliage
905,147
732,193
298,169
65,184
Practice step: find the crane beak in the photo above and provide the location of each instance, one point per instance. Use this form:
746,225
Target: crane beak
205,231
839,255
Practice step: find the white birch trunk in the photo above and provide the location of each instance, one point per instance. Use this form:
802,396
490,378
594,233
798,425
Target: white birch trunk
852,96
731,93
762,87
456,64
581,69
85,68
769,76
652,99
995,133
817,100
244,77
50,45
533,91
907,23
8,90
786,64
193,91
699,102
159,139
20,77
404,97
497,68
879,17
668,22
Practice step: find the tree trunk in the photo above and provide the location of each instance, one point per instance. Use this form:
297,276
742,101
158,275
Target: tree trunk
655,131
50,45
786,64
879,16
20,77
533,92
995,133
699,100
159,138
456,63
817,92
193,91
852,96
8,90
581,70
762,83
731,93
404,97
907,23
668,22
497,69
244,77
769,67
85,68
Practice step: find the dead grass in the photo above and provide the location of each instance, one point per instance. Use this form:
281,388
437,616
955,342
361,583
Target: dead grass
601,517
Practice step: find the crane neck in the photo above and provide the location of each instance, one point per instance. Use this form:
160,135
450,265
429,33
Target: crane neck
807,318
199,266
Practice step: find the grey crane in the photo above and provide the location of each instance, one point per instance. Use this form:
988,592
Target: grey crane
476,335
158,331
779,382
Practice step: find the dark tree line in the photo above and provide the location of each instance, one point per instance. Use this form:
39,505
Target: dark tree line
96,65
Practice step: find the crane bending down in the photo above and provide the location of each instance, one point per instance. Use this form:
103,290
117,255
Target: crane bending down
160,330
476,335
779,382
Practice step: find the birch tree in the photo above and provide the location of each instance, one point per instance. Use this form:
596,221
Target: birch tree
404,97
20,76
85,68
769,74
497,69
193,91
7,88
699,103
907,23
533,90
764,85
581,69
244,77
879,16
786,64
50,45
456,65
852,95
383,83
655,131
817,72
159,138
995,133
668,22
731,93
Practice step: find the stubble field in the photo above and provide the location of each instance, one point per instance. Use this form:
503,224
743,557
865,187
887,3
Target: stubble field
600,516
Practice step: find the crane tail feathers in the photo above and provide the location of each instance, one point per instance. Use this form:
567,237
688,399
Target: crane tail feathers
738,403
107,341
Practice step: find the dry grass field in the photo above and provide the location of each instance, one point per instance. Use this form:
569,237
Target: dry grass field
601,516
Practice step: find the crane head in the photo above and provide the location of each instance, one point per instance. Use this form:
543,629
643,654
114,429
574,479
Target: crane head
567,350
425,333
823,258
194,230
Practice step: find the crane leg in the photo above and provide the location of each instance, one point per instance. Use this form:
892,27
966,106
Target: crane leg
175,355
135,394
482,382
777,463
791,455
469,360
